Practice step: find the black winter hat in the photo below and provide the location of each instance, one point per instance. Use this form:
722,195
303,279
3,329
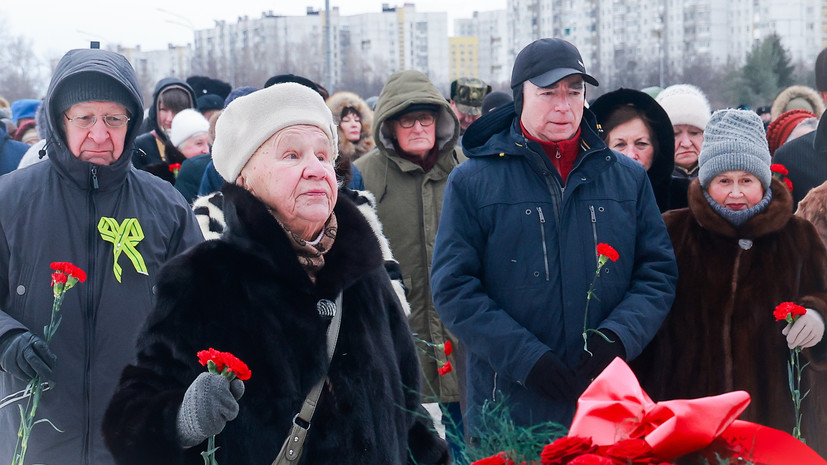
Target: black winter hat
209,102
203,85
546,61
91,86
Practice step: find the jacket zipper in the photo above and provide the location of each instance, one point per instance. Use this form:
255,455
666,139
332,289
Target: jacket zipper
89,318
594,231
543,236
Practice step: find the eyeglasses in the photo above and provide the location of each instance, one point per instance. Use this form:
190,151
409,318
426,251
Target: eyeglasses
87,121
425,119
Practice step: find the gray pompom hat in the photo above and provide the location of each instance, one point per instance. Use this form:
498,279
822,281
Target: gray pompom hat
734,140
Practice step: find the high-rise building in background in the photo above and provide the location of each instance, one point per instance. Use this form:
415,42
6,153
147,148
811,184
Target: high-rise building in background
630,42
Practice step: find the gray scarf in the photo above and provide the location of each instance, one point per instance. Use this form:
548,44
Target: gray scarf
739,217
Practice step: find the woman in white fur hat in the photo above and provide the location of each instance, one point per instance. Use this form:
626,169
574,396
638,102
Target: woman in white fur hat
264,291
689,111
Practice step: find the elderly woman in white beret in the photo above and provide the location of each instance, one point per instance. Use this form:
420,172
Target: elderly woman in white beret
264,291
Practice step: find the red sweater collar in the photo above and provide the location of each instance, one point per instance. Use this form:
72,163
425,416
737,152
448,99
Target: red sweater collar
562,154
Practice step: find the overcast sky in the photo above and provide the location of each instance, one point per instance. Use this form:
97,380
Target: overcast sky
56,26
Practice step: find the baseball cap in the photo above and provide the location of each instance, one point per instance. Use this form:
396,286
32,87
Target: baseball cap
468,93
546,61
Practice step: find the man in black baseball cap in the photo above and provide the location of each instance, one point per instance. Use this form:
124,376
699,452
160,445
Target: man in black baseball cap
514,254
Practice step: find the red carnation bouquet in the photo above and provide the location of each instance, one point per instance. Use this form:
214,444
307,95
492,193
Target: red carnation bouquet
617,423
64,277
224,364
174,169
789,312
780,172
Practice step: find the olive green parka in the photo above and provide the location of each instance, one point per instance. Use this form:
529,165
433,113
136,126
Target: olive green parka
409,203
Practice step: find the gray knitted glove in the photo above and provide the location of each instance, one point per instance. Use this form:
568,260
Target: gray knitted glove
209,403
25,355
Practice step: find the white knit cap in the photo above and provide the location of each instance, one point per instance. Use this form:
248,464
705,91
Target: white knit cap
249,121
685,104
734,140
185,124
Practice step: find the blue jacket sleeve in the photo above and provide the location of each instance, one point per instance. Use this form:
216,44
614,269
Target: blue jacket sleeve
654,278
460,296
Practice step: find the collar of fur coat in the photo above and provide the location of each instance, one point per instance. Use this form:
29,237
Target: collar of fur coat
777,214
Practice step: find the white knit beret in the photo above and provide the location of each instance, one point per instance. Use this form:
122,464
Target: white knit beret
734,140
248,121
685,104
185,124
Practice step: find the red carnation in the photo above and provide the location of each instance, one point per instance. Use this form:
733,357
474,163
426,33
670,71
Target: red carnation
445,369
225,364
59,278
779,168
499,459
607,251
211,355
564,449
69,269
448,348
236,366
788,311
631,451
789,184
174,167
591,459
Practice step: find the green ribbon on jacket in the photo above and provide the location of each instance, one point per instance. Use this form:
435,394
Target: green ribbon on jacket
124,237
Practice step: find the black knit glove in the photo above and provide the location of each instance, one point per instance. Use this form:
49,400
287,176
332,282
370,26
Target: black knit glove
24,355
551,378
209,403
603,352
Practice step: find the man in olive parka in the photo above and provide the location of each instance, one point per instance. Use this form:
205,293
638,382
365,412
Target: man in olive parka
407,172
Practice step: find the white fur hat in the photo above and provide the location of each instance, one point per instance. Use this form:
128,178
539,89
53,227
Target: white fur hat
185,124
249,121
685,104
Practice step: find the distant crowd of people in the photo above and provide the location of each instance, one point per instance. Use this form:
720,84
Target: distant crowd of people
371,257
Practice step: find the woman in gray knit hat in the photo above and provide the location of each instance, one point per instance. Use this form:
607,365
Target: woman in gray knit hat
740,253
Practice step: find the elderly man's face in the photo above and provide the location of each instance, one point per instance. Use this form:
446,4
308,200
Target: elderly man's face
419,136
554,113
98,144
292,172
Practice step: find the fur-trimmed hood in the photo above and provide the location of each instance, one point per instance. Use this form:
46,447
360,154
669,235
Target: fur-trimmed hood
785,97
338,102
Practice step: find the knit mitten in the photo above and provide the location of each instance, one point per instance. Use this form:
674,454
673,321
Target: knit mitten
209,403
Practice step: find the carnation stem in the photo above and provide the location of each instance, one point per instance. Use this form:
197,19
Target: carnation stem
795,387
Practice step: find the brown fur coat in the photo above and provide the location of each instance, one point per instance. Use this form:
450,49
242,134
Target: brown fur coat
721,334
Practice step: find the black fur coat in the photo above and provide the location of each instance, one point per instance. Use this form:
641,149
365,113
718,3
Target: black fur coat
721,334
247,294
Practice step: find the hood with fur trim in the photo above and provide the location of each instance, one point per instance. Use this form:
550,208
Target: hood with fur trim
338,102
807,96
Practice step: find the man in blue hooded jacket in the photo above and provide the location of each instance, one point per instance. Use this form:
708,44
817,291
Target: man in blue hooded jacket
515,251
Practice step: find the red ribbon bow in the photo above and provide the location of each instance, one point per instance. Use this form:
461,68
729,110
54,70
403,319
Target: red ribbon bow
614,407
